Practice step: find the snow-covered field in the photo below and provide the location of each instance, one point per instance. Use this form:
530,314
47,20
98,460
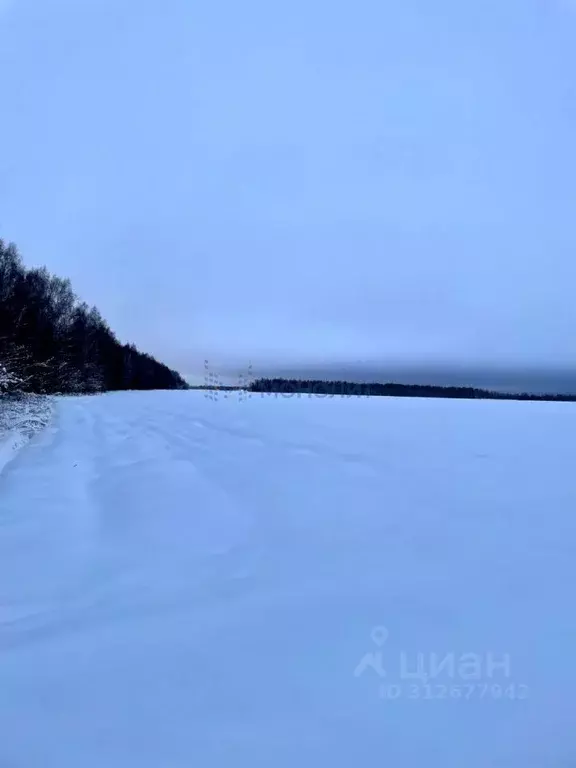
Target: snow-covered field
289,582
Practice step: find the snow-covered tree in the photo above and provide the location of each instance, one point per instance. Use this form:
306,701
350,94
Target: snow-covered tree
9,382
51,342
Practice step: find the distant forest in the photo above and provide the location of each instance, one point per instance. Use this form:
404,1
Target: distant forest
51,342
290,387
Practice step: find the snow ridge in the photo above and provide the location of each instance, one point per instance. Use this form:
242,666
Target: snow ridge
21,417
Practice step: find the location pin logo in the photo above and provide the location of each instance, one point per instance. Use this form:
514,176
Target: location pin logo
379,636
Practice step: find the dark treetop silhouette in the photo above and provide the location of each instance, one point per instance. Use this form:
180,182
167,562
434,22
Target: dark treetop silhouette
52,342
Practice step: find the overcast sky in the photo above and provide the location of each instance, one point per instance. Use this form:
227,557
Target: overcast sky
300,181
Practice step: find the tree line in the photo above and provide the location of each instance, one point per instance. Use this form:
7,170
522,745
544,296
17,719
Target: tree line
318,388
51,342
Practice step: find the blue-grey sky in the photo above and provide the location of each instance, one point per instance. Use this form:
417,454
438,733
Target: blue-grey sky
303,181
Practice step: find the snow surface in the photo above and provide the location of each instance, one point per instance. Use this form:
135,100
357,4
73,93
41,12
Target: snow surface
187,581
20,419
